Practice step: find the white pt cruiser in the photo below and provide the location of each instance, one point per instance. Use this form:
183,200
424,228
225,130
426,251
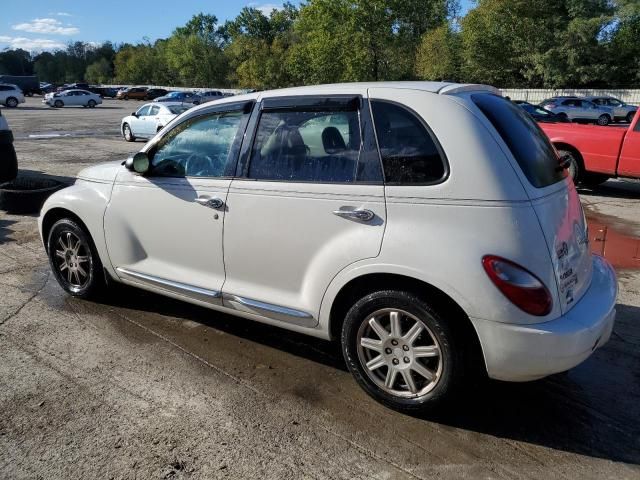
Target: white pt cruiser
429,227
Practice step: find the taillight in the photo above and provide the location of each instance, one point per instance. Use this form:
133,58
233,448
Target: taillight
519,285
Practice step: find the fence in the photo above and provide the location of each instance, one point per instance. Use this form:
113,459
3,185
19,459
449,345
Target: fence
536,95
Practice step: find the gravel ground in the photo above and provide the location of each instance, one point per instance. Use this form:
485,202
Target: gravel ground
141,386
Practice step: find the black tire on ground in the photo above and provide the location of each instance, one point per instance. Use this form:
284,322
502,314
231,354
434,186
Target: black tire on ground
575,166
630,116
11,102
74,260
27,194
91,103
58,104
126,97
603,120
8,161
590,179
127,133
449,374
563,115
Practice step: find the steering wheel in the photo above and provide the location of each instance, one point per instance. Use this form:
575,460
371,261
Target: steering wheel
202,165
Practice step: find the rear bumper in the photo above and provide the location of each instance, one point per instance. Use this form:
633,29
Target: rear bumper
521,353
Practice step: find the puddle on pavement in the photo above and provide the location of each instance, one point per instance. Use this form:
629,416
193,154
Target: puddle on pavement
65,134
614,240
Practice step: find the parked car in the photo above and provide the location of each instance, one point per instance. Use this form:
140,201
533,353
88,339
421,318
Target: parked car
28,84
621,110
210,95
351,212
8,159
70,98
540,114
579,109
149,119
132,93
182,97
154,93
10,95
597,154
103,92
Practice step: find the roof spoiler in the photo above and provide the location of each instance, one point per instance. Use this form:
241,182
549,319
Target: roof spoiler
468,87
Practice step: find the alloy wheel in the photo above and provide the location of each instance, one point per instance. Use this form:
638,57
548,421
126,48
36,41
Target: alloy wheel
399,353
72,259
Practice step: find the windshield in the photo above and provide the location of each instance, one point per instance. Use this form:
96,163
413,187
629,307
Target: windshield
177,109
173,94
528,143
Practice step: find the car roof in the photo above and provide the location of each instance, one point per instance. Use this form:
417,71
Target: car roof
442,88
10,85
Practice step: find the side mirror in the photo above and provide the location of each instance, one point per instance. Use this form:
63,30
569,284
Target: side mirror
134,114
139,163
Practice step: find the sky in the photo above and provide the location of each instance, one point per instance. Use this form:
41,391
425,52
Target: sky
37,25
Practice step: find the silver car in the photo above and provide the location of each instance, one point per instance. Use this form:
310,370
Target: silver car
579,109
621,111
68,98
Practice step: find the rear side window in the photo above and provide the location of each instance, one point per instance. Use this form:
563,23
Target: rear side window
528,143
409,153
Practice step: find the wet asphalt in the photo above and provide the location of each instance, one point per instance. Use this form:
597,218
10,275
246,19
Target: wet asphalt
141,386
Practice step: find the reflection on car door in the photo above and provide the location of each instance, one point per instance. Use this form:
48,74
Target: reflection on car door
630,155
164,230
309,200
153,118
139,122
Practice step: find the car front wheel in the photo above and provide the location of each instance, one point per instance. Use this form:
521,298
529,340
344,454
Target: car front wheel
12,102
401,351
630,116
74,260
603,120
127,133
58,104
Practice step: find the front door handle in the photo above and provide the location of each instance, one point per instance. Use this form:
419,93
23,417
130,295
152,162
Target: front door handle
211,202
361,214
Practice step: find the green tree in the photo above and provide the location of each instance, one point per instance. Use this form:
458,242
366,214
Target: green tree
439,55
99,71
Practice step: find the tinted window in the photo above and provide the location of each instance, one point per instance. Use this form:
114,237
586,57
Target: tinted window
527,142
200,147
177,109
614,103
143,111
409,153
306,146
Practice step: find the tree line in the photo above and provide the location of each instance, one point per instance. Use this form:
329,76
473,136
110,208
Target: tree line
507,43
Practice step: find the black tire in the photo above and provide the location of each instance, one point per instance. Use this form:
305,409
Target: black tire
65,233
603,120
26,194
449,373
126,97
563,116
11,102
127,133
590,179
196,102
630,116
58,104
91,103
8,162
575,166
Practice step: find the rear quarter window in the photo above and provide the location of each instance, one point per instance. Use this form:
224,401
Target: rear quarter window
528,143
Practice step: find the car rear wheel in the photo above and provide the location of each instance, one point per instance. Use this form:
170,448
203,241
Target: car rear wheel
74,260
58,104
91,103
126,97
603,120
127,133
12,102
630,116
563,116
401,351
574,168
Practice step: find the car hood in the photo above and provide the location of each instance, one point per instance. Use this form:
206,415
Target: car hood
103,173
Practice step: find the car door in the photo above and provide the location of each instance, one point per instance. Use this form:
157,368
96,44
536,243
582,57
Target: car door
590,110
139,121
164,230
153,120
308,202
629,164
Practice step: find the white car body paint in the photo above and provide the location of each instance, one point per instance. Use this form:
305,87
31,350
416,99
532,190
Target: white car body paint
283,256
72,98
156,116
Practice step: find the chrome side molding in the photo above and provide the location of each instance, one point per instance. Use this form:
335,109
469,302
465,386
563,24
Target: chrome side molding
275,312
214,297
198,293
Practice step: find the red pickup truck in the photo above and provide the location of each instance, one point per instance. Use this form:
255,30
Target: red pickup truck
597,153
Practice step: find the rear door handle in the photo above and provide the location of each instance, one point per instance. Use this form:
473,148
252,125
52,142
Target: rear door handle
211,202
361,214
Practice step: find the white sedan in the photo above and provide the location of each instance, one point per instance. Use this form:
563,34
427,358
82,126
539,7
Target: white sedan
69,98
149,119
